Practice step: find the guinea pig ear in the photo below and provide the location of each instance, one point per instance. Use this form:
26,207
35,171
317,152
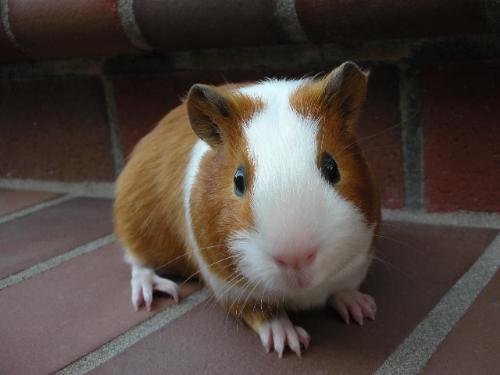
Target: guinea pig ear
344,92
208,108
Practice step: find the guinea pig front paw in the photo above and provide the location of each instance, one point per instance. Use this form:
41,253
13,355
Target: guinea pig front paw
353,303
279,332
144,281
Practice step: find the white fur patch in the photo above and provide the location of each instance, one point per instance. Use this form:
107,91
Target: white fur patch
199,150
294,207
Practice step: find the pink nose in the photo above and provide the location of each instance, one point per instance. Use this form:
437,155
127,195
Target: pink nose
296,260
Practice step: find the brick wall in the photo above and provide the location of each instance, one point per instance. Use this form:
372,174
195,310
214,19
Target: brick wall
59,126
430,127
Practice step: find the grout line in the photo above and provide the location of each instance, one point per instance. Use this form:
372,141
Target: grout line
287,16
106,190
55,261
84,189
34,208
116,149
134,335
130,26
416,350
459,219
4,12
411,137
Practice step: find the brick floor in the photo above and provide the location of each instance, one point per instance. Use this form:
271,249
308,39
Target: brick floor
12,200
57,317
421,263
61,315
473,345
44,234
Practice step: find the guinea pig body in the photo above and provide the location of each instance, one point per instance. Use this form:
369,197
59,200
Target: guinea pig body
270,199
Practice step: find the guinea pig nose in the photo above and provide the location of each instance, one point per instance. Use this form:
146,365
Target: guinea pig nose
296,260
280,261
311,255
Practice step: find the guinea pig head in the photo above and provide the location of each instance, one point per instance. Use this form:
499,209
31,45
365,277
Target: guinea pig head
288,195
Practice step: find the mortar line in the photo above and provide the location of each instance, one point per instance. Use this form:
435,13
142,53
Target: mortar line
130,25
84,189
458,219
55,261
134,335
415,351
4,11
288,19
116,149
34,208
411,138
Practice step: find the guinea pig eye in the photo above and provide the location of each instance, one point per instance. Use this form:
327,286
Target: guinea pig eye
329,168
239,182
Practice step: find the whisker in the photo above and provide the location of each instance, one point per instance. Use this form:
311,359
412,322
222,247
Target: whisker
397,269
185,254
231,283
170,261
208,265
407,246
248,296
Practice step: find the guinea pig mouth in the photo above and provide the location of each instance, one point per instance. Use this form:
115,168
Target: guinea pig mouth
297,280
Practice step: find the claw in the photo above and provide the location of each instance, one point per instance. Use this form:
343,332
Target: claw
280,333
278,337
266,337
355,304
304,337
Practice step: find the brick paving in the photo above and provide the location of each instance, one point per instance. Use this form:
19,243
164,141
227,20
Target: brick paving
14,200
55,318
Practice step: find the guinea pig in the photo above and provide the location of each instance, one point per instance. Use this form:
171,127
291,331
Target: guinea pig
264,191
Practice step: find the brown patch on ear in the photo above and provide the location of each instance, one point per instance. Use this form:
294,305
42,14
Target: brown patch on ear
339,95
216,114
345,89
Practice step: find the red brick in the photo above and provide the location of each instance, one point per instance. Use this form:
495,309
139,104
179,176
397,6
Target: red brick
380,134
472,346
169,25
13,200
69,29
340,20
417,265
143,100
54,129
52,231
53,319
461,137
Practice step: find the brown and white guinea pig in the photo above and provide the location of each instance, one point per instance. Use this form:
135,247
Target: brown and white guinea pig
263,190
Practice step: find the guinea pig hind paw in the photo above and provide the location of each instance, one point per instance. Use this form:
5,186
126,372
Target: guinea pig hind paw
278,333
352,303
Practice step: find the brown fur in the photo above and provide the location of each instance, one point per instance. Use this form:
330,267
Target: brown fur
149,217
148,207
212,198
